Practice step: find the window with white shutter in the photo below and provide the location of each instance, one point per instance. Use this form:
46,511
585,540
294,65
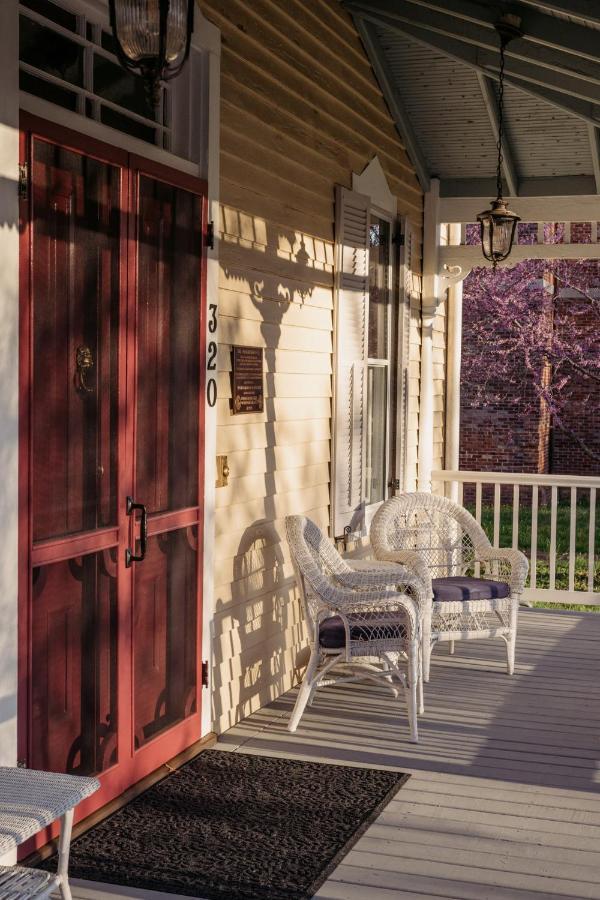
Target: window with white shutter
374,288
350,326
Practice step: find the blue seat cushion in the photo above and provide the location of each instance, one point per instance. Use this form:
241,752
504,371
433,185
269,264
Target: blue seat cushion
461,587
333,637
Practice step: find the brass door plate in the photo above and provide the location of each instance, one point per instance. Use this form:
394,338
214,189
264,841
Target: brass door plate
222,472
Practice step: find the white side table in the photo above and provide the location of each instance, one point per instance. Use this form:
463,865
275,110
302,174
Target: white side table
30,801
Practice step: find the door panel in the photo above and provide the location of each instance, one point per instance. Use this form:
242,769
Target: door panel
74,665
169,248
75,282
164,633
167,450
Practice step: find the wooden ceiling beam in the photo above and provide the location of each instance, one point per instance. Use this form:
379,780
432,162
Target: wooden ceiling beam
526,78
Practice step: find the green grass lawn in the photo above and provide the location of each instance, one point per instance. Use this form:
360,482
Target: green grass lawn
563,517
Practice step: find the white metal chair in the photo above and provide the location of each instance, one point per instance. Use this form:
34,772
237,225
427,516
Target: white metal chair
353,615
31,800
474,588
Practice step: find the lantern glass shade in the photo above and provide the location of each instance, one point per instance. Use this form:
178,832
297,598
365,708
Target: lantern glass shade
498,226
137,26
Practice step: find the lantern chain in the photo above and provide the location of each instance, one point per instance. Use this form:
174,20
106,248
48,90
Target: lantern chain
503,43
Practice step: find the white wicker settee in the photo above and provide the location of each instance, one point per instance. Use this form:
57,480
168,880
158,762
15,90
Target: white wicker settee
354,616
474,588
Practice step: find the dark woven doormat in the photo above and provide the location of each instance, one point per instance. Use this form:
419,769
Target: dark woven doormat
231,826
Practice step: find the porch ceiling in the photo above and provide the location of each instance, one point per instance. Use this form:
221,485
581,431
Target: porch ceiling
437,63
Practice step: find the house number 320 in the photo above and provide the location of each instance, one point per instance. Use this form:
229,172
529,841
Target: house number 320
211,360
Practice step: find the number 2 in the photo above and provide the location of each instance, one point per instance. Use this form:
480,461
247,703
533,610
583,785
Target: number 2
211,364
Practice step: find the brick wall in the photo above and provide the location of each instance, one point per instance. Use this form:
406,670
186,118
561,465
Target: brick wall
500,438
567,456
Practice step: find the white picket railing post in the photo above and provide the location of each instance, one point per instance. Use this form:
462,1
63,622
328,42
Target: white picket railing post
497,498
552,559
534,532
572,537
592,541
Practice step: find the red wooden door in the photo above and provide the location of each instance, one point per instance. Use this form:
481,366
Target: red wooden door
111,411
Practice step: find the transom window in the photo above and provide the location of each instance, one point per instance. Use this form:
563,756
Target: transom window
69,60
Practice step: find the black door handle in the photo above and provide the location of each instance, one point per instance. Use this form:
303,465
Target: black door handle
130,556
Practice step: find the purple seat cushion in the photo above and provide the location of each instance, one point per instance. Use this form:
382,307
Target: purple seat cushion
333,637
459,587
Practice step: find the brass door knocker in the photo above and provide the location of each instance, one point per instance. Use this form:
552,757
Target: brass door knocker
84,362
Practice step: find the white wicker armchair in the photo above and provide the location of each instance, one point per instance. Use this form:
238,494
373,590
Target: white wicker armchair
353,615
474,588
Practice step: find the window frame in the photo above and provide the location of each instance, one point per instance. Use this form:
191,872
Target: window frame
376,212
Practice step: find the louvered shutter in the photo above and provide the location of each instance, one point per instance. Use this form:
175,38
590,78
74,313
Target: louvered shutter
410,289
350,325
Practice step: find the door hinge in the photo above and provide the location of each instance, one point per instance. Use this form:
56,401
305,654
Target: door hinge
204,673
23,182
394,484
210,235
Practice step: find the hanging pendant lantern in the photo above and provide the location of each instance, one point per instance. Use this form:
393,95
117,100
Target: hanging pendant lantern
152,38
498,224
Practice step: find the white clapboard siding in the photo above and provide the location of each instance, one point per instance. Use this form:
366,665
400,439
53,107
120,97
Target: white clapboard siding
351,311
289,134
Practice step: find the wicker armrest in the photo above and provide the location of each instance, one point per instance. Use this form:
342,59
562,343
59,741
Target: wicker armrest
389,574
504,563
411,560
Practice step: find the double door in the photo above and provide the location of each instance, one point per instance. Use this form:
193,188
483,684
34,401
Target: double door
111,462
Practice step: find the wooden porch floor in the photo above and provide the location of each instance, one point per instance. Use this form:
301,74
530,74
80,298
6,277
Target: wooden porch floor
504,801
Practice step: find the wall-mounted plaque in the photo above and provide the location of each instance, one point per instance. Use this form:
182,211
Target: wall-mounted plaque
248,394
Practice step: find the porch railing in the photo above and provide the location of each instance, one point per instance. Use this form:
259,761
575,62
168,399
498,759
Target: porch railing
551,518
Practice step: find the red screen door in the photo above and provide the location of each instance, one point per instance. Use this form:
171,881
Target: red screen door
111,461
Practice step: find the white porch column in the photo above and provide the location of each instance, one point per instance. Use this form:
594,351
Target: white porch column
9,374
431,293
453,360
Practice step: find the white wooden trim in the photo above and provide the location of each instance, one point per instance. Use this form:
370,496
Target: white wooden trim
211,37
373,183
453,364
522,478
431,293
545,595
574,208
468,257
9,375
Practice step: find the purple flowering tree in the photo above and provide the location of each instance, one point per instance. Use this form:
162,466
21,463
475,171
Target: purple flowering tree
531,342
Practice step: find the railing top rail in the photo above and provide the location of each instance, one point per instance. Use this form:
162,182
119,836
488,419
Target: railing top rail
446,475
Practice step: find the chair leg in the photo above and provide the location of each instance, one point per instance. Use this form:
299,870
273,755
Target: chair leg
426,646
413,674
511,641
64,845
305,691
420,676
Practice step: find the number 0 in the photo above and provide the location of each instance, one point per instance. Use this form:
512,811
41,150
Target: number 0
211,391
